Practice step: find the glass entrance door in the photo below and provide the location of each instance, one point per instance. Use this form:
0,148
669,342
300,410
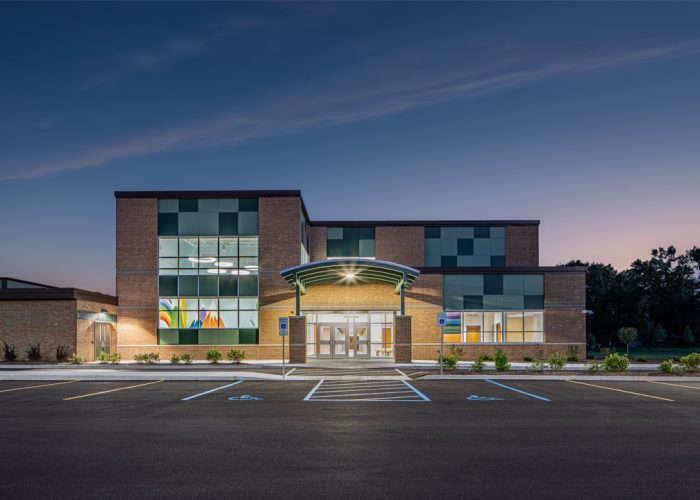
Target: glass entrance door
359,341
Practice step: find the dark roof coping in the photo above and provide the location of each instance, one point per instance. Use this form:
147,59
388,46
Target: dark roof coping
55,293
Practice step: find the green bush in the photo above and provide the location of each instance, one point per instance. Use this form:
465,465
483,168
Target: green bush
76,359
235,355
175,359
537,366
103,358
527,359
142,358
186,358
478,366
615,362
557,361
214,356
595,366
690,362
153,357
502,364
449,361
666,366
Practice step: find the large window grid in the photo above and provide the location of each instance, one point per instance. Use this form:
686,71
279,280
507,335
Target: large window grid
499,327
350,242
465,246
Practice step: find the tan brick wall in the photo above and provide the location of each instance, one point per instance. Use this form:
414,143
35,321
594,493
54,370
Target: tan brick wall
522,246
401,244
317,242
137,270
46,322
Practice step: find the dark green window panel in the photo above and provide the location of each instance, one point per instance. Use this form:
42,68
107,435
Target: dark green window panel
498,261
248,285
448,261
167,285
248,223
188,286
228,337
534,302
248,205
168,337
473,302
228,224
228,286
187,205
248,336
465,247
493,284
432,232
343,248
482,232
208,223
358,233
188,337
208,286
208,337
167,224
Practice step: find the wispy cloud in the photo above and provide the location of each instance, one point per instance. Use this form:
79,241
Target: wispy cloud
370,93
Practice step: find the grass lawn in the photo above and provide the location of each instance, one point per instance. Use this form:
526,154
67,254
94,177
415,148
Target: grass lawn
652,353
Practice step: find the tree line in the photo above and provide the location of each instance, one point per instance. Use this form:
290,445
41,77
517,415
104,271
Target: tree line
660,297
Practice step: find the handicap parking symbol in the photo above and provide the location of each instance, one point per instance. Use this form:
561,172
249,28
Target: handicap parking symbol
474,397
245,397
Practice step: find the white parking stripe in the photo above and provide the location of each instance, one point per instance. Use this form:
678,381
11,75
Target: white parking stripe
308,396
212,390
316,396
365,391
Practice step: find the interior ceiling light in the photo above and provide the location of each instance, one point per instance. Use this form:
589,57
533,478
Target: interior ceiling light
203,260
240,272
251,266
223,264
217,271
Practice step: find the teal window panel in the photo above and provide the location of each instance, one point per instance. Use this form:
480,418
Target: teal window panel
188,337
208,205
465,246
366,248
482,247
188,205
168,224
168,206
248,285
168,337
167,285
432,247
448,246
188,286
513,301
449,232
334,233
513,284
432,260
498,261
482,260
208,337
493,284
498,246
448,261
188,223
465,261
209,285
465,232
453,302
247,223
431,232
248,205
208,223
533,284
482,232
493,302
498,232
228,205
473,284
228,223
472,302
228,337
452,285
533,302
228,285
248,336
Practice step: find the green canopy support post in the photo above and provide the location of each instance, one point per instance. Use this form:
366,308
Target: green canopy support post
402,286
298,297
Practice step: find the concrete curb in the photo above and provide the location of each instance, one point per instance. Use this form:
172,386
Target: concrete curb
611,378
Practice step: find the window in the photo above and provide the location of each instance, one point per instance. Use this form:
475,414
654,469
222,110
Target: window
464,246
497,327
493,292
208,217
350,242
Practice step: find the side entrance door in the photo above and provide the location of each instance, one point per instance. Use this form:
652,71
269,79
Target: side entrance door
102,338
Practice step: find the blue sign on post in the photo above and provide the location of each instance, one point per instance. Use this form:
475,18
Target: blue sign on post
284,326
442,318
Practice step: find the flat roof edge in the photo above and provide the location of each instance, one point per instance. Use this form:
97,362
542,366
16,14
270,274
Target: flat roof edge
503,270
246,193
486,222
56,294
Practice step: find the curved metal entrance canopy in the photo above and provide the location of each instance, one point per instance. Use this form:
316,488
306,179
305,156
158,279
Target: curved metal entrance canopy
350,271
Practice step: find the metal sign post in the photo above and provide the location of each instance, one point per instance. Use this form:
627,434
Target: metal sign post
442,318
284,331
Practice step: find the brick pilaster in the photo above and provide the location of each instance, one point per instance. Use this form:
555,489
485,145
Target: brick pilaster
402,339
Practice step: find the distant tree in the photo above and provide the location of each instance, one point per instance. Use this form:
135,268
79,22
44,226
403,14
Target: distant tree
659,335
627,335
688,337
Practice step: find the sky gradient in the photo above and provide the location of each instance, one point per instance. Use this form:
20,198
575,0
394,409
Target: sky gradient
585,116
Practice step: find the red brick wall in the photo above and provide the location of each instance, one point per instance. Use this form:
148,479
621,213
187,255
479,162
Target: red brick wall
522,246
317,242
297,339
400,244
564,321
402,339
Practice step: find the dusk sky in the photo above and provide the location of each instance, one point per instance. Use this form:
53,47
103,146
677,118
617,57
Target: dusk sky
585,116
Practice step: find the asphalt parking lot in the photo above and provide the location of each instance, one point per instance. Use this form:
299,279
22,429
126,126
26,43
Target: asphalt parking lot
336,439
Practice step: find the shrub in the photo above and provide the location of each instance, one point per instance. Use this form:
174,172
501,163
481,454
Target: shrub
537,366
235,355
527,359
690,362
33,352
666,366
557,361
141,358
115,357
175,359
502,364
186,358
10,354
152,357
627,335
449,361
214,356
478,366
595,366
615,362
61,352
76,359
103,358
